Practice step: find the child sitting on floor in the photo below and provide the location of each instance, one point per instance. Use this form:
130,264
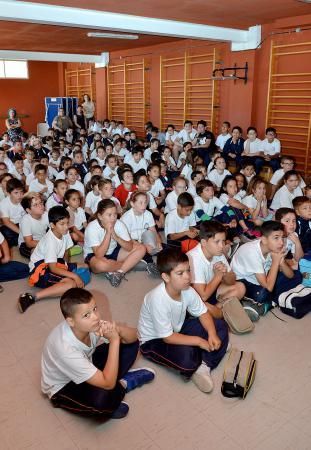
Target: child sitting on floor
179,186
108,247
80,371
294,250
11,211
180,223
49,269
193,346
302,207
77,220
211,275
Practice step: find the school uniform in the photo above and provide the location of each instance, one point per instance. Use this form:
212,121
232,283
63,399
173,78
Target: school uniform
303,229
91,201
283,198
140,165
249,261
14,212
67,364
233,147
35,186
217,178
60,176
156,188
50,249
171,137
27,167
250,202
78,186
255,147
109,173
170,202
279,174
12,270
187,171
17,175
181,158
183,136
137,224
77,218
176,224
222,139
53,200
207,210
29,226
161,316
192,189
82,169
202,269
94,236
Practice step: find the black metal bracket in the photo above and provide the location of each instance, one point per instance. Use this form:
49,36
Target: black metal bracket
222,73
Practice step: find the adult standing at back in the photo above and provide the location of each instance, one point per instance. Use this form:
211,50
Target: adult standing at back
88,108
13,125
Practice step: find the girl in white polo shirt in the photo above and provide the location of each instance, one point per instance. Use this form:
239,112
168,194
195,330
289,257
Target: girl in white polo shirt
108,247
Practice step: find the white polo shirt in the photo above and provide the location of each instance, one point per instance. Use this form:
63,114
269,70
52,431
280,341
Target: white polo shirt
176,224
278,174
283,198
222,139
161,316
170,202
183,136
201,268
249,261
95,233
91,201
50,248
10,210
33,227
254,146
271,148
137,224
218,178
35,186
212,208
65,358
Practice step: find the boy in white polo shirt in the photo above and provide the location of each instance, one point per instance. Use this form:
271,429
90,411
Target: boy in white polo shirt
211,275
41,183
261,266
224,136
272,149
86,361
11,211
192,346
187,134
180,223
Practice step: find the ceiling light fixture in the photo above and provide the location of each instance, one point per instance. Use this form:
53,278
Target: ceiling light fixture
112,35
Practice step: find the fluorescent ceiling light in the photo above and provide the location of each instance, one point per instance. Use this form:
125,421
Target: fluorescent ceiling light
112,35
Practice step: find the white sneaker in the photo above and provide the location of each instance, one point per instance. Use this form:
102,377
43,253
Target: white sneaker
202,378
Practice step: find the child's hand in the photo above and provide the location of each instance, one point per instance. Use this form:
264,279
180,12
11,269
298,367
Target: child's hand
293,237
278,257
44,190
218,269
214,342
204,345
78,281
109,331
192,233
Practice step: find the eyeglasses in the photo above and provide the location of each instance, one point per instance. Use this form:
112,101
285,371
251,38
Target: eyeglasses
37,204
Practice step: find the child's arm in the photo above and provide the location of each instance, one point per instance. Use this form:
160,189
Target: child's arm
101,250
127,245
299,253
183,339
107,378
89,211
8,223
66,273
158,237
5,252
30,242
191,233
268,281
127,334
208,324
235,203
206,290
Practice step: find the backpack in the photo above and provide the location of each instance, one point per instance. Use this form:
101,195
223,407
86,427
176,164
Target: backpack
236,317
305,269
296,302
239,374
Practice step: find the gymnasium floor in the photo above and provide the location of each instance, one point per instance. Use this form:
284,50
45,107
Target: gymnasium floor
168,413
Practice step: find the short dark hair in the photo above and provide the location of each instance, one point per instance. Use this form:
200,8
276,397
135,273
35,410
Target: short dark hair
271,130
72,298
14,183
300,200
208,229
251,129
187,121
57,213
270,226
17,157
225,122
40,167
281,212
246,163
194,174
185,199
202,184
202,122
236,127
169,258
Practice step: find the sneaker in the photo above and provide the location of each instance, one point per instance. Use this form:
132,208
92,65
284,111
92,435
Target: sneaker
121,411
115,278
141,266
202,378
254,309
152,270
138,377
24,301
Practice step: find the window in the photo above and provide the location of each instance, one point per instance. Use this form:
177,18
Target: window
13,69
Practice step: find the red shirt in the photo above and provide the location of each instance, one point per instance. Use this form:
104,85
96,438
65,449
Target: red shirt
122,194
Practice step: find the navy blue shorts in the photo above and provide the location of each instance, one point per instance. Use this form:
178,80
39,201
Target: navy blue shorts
46,278
113,255
256,292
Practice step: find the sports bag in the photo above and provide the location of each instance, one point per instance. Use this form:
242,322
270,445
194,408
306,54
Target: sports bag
296,302
239,374
305,269
236,317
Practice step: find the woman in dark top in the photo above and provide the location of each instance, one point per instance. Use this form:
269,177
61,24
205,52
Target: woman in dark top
79,119
13,125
